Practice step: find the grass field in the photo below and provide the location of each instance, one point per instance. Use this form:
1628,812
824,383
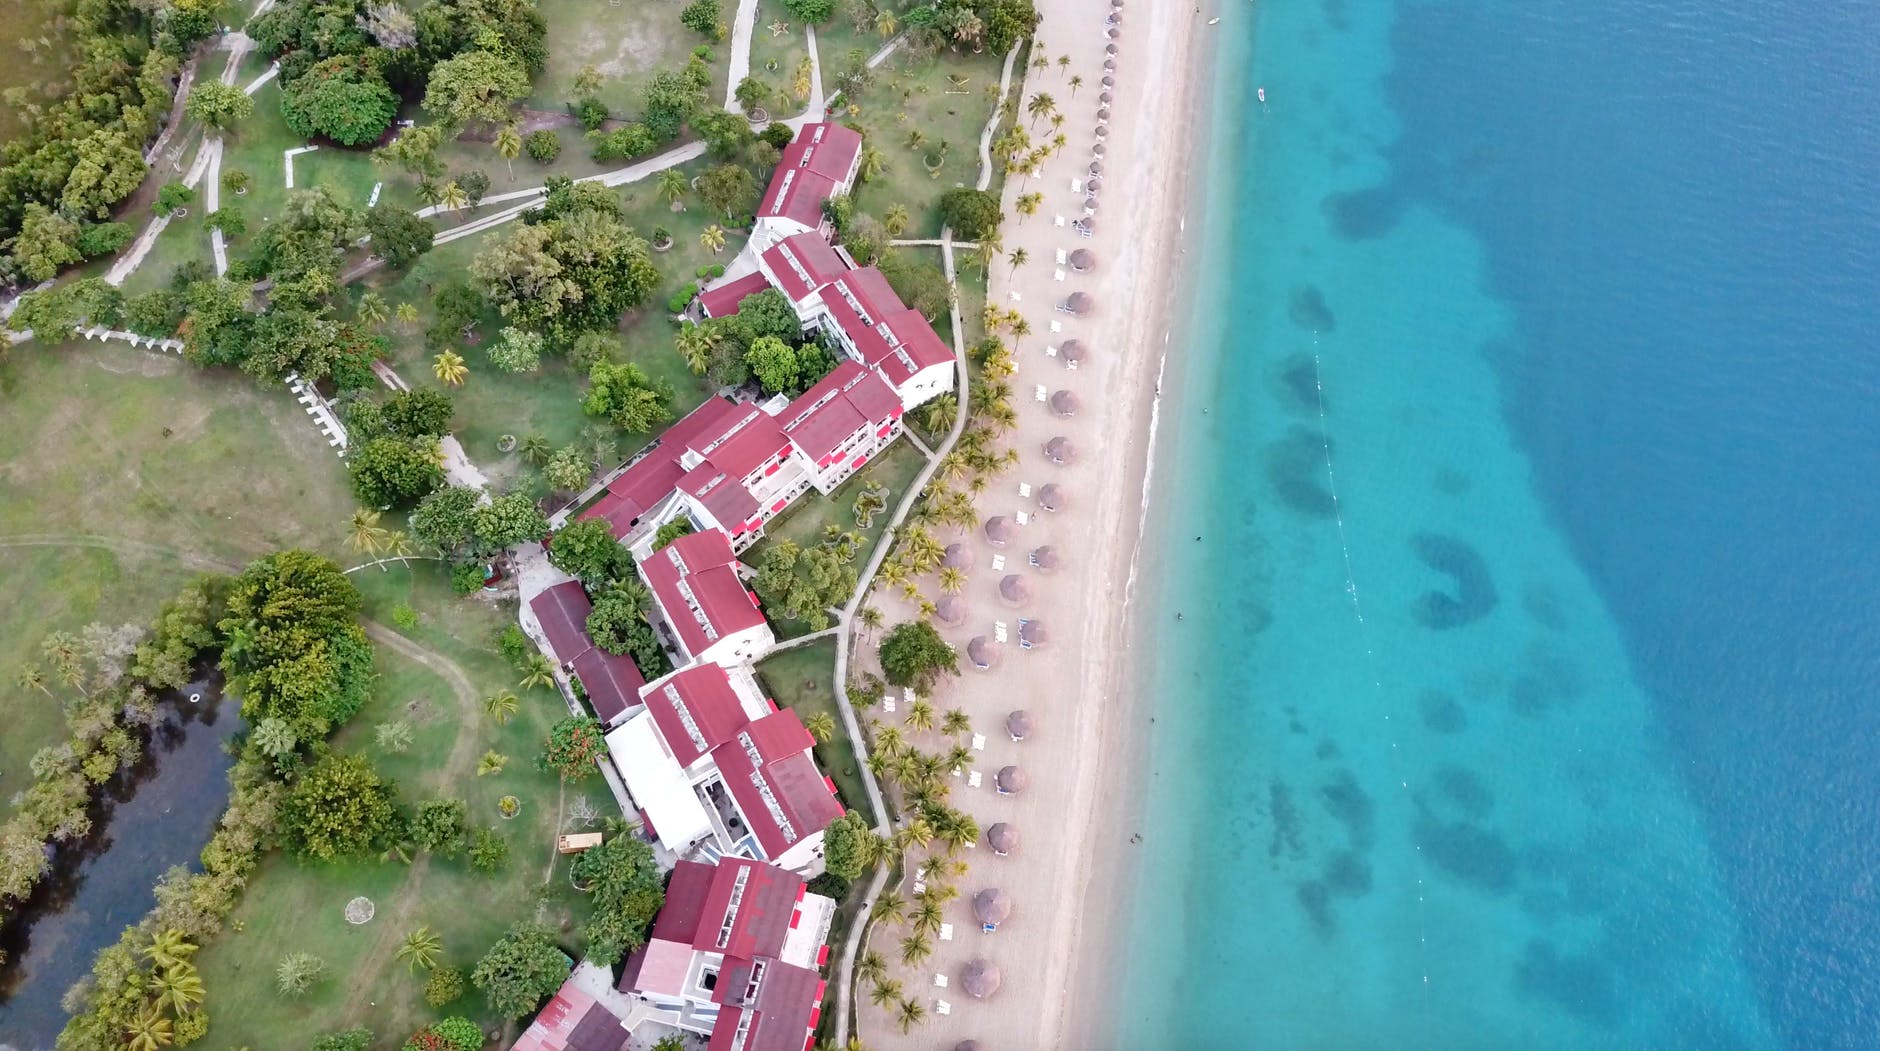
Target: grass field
802,679
626,43
107,445
291,905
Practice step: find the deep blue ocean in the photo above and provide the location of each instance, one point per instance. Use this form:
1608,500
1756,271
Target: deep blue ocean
1519,497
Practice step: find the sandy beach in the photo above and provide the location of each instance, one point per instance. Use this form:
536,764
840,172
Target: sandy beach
1083,757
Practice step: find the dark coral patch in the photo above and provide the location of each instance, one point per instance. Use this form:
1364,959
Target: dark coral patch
1473,596
1295,468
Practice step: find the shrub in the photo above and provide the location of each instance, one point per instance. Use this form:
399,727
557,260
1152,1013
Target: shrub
467,577
705,18
830,885
683,296
444,986
813,11
173,195
542,146
591,112
99,239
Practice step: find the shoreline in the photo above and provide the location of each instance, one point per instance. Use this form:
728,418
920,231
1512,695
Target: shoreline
1119,769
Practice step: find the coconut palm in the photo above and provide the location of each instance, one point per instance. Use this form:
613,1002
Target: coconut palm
896,220
148,1030
958,831
177,987
871,967
821,726
916,833
936,892
491,762
1076,82
888,740
952,580
956,722
421,948
32,678
502,706
885,23
885,992
449,368
958,757
406,313
937,415
1018,258
1020,328
538,670
429,192
509,147
870,617
928,918
915,948
672,185
535,449
1039,106
1028,203
363,532
697,344
1039,62
911,1012
452,197
713,237
297,972
920,715
373,309
1064,64
891,907
873,164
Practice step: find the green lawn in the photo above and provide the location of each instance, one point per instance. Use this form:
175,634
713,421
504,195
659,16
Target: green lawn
295,905
946,99
104,443
627,43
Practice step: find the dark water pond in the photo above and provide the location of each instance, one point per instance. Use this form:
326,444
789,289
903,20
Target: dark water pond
156,815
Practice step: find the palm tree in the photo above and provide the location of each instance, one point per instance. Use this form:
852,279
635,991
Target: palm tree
937,415
952,467
503,706
891,907
870,617
928,918
491,762
821,726
873,165
148,1030
895,220
1020,328
871,967
32,678
178,988
169,947
958,757
428,192
1040,105
1076,82
1017,258
452,197
421,948
449,368
713,238
952,581
509,147
888,740
672,185
372,309
937,893
885,23
1040,63
406,313
916,833
535,449
886,991
915,948
1028,203
538,670
910,1013
1064,64
364,534
956,722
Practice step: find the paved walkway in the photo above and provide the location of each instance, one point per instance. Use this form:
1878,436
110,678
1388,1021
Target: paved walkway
992,123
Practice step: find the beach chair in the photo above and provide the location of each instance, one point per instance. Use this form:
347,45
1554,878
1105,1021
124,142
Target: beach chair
887,703
919,885
979,742
1050,350
998,629
941,1007
1056,325
940,981
1057,275
1063,257
998,566
974,779
1077,185
1024,490
1057,221
988,928
946,932
1022,517
1039,393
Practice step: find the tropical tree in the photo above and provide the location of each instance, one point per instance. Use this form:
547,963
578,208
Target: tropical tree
927,918
885,23
1064,64
713,238
406,313
364,534
697,344
915,948
956,722
502,706
909,1014
873,164
672,185
452,197
509,146
1076,82
895,220
491,762
871,967
169,947
1018,258
178,987
297,972
885,991
890,907
535,449
920,715
421,948
952,580
1039,106
373,309
148,1030
821,726
449,368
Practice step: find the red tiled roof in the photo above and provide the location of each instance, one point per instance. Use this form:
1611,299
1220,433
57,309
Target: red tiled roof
612,682
797,194
741,451
810,171
563,611
790,780
804,263
759,921
847,400
781,1017
871,286
572,1021
828,149
641,487
702,696
723,300
918,339
702,566
724,496
686,894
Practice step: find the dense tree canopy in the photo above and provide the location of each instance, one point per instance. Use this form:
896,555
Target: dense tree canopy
476,87
847,850
914,654
344,98
588,551
628,890
802,584
570,266
970,213
521,970
573,745
340,808
625,394
394,472
294,650
398,236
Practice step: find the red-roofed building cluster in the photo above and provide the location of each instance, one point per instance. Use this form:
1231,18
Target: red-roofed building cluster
736,953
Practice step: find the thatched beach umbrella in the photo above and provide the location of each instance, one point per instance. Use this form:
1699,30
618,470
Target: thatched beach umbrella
951,609
1103,131
1108,82
1106,97
999,530
1014,590
1079,303
1109,65
1052,497
991,906
1065,404
1096,167
1094,184
982,652
1044,558
1060,450
1002,838
1104,114
959,557
1019,725
980,979
1098,149
1012,780
967,1045
1032,633
1072,351
1083,259
1110,49
1116,4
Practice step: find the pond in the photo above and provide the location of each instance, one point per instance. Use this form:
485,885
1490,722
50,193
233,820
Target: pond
158,814
32,60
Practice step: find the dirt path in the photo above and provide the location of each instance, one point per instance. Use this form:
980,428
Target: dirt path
394,919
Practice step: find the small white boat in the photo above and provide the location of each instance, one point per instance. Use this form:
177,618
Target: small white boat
1262,96
1214,21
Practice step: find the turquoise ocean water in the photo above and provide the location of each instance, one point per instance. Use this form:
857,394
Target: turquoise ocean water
1516,497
